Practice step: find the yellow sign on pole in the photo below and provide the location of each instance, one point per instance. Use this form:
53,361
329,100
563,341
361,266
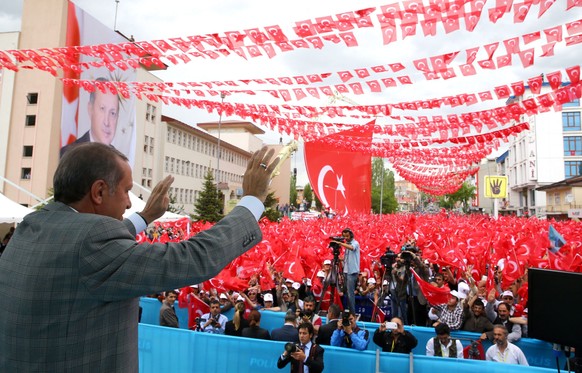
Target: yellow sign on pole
496,186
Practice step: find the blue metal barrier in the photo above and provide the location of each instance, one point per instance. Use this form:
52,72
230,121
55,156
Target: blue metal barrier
538,353
175,350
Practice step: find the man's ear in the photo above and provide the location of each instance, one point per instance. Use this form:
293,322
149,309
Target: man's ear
98,190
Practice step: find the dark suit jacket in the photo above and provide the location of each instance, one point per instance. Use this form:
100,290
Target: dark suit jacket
168,316
84,138
286,333
70,284
314,361
325,332
256,333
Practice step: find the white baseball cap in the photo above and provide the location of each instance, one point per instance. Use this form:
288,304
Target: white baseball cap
268,297
320,274
327,261
296,285
507,293
385,282
240,298
458,295
371,280
464,289
223,296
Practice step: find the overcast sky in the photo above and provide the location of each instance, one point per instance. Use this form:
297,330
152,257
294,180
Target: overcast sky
149,19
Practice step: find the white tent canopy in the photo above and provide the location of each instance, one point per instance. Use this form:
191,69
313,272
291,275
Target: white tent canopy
12,212
138,205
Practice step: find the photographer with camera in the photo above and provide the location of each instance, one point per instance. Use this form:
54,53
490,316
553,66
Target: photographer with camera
392,337
305,356
348,334
351,265
412,305
213,322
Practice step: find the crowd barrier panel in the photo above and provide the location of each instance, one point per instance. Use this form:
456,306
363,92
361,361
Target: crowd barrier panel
176,350
538,353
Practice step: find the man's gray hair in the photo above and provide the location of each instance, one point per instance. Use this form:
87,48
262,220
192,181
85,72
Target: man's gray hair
81,166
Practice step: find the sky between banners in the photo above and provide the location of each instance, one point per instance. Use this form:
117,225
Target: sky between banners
498,53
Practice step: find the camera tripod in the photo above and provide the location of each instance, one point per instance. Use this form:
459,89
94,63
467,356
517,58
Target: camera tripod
334,278
387,276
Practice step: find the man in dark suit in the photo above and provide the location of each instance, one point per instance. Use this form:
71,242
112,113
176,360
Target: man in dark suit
103,110
307,354
72,273
288,332
167,312
325,331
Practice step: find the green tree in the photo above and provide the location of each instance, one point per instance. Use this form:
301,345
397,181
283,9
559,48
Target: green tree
385,190
209,203
308,195
173,205
293,191
465,193
271,211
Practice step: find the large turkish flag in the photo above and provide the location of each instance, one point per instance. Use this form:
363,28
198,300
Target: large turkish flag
341,178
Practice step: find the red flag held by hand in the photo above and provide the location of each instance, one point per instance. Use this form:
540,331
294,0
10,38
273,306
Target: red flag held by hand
433,294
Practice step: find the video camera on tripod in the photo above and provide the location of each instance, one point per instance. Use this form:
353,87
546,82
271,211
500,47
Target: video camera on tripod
334,245
407,254
388,258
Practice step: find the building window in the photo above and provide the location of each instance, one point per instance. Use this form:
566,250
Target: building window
31,120
572,168
27,151
32,98
25,173
151,145
574,103
167,164
145,144
168,135
571,121
572,146
149,183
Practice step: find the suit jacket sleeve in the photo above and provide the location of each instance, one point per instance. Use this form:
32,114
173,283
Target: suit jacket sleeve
315,361
113,266
282,363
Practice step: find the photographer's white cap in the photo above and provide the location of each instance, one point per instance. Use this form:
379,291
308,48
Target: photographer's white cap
308,282
289,280
372,280
268,297
240,298
327,261
320,274
223,296
385,282
296,285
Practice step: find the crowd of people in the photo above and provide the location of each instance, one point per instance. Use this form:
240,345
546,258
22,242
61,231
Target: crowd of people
396,295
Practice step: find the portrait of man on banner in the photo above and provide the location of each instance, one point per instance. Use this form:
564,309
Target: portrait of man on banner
96,113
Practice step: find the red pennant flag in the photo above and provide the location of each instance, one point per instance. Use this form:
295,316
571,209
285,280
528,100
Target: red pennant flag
196,306
293,269
433,294
345,189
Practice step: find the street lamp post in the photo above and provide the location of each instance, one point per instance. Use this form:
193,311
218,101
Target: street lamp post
222,95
